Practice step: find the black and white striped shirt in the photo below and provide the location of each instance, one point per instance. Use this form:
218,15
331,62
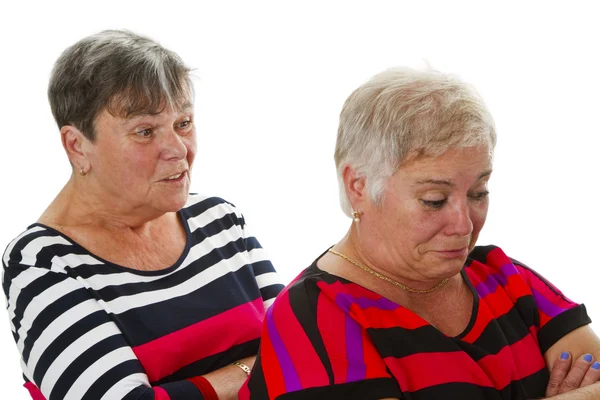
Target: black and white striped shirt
89,329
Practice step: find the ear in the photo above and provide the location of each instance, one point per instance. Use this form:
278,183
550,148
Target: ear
355,186
75,144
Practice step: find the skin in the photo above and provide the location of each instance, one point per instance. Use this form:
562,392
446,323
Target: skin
575,377
124,209
442,202
124,205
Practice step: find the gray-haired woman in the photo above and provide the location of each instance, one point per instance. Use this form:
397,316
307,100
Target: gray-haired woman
406,306
128,287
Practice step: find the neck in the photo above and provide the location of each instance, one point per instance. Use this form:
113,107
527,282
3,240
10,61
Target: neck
79,204
376,257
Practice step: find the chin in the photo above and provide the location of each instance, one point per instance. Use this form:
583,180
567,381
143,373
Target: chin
172,203
448,267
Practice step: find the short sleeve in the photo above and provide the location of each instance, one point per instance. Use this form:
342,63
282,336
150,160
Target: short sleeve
311,349
558,315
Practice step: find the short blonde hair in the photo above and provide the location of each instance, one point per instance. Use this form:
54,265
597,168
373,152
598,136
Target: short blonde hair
402,114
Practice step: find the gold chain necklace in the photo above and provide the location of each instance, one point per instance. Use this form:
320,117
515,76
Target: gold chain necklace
385,278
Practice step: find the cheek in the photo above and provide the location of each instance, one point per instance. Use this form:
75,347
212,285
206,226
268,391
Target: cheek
191,149
478,217
135,167
427,226
417,225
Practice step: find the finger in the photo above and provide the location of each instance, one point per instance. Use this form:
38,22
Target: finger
561,367
592,375
576,374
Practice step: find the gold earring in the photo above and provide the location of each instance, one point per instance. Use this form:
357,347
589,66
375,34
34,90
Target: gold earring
356,215
82,172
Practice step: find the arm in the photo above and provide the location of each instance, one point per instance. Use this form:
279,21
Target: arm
581,345
581,341
566,340
228,380
591,392
71,349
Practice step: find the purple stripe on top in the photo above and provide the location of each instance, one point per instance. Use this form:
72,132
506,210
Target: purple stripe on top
545,305
496,279
290,376
345,301
357,370
509,269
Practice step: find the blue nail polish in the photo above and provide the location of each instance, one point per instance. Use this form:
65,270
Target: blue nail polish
587,358
564,356
596,366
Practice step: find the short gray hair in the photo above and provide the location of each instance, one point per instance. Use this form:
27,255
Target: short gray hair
402,114
118,71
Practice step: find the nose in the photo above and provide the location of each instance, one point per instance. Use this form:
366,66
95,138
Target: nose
460,220
173,146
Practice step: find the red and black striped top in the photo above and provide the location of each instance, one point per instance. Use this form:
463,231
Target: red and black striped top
328,338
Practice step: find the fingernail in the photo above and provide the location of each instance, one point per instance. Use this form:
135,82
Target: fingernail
596,366
564,355
587,358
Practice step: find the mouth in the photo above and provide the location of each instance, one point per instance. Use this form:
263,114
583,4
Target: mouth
454,253
175,178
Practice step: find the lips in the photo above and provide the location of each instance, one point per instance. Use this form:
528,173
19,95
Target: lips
172,177
460,252
175,177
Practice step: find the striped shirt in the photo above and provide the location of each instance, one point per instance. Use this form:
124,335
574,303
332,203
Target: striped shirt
328,338
89,329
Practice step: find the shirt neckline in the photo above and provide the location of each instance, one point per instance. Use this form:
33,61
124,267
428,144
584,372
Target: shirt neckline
163,271
474,308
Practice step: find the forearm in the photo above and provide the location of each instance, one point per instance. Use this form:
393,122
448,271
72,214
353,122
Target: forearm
228,380
591,392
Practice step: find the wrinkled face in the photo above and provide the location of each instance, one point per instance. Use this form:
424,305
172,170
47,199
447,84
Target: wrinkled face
144,161
433,210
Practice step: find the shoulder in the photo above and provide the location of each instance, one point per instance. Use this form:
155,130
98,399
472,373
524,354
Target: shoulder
205,209
315,292
36,246
492,259
490,255
489,267
200,202
36,261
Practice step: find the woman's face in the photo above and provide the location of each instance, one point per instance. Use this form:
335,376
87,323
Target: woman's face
145,160
432,211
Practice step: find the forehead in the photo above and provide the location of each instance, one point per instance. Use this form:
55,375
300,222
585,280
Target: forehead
162,109
131,103
450,164
107,119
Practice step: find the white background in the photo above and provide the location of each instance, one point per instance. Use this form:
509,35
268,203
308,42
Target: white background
272,78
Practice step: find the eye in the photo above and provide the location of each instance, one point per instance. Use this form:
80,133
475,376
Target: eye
480,197
433,204
184,125
144,133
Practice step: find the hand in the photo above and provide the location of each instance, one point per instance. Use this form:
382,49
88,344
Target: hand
566,377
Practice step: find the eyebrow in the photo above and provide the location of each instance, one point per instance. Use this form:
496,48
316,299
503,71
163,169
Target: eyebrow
449,183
